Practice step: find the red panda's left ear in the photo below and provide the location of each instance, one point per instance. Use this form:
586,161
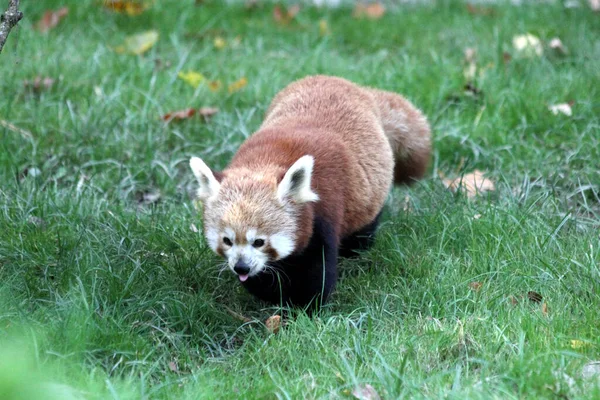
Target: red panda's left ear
208,184
295,184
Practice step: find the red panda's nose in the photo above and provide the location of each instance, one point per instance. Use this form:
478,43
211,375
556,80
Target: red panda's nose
241,268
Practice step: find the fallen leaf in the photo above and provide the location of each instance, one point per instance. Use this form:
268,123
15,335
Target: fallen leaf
139,43
480,10
591,370
131,8
204,112
595,5
38,84
528,45
219,43
579,344
323,28
545,308
473,184
214,86
173,367
563,108
179,115
273,323
192,78
475,286
365,392
557,45
534,297
207,112
237,85
283,15
51,18
370,11
506,57
513,300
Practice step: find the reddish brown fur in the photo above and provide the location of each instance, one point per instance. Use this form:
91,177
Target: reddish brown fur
354,134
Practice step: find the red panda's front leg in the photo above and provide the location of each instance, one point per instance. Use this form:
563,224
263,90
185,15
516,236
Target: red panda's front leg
304,279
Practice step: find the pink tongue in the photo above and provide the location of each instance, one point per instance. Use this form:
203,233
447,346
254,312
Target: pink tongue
243,278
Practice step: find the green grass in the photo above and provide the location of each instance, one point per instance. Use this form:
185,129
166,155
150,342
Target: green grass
99,293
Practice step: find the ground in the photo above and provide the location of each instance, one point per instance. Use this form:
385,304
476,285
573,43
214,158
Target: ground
107,291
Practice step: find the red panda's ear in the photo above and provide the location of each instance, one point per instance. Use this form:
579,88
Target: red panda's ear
295,184
208,184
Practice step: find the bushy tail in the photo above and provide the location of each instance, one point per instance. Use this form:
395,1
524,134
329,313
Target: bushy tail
409,134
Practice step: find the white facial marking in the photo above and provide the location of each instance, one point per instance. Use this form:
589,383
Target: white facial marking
282,243
230,234
251,235
212,237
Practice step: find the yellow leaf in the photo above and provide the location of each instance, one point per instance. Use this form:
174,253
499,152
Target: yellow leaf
139,43
131,8
220,43
214,86
323,28
578,344
192,78
237,85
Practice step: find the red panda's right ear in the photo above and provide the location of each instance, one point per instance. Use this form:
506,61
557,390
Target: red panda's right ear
208,184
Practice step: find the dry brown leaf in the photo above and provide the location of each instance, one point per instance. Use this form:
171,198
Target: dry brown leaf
51,18
473,184
545,308
284,15
370,11
506,57
179,115
190,112
563,108
131,8
214,86
207,111
273,323
365,392
475,286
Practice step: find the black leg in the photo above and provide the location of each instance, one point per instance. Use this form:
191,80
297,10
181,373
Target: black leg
361,240
302,280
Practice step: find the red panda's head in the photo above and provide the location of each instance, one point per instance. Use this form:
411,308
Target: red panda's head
251,216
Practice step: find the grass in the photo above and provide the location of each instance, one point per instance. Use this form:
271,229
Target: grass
106,296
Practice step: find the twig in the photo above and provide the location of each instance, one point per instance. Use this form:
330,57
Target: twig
9,20
11,127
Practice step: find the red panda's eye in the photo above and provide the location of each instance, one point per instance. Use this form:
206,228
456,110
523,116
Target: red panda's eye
227,241
258,243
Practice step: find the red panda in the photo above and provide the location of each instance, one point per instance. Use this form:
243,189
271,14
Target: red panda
309,185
